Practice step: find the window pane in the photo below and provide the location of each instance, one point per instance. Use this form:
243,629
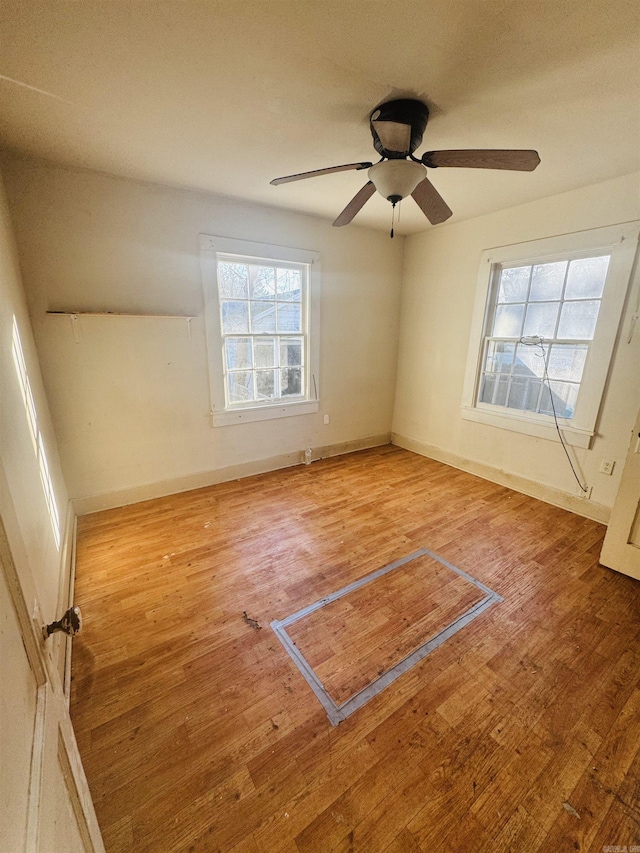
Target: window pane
290,352
487,388
547,281
263,282
240,386
586,278
513,284
494,389
263,317
235,317
265,384
564,399
567,362
500,356
502,390
265,352
578,320
290,381
524,393
530,360
508,321
289,285
541,319
289,317
233,280
238,352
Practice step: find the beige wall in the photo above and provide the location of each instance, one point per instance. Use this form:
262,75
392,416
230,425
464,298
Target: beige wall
22,502
130,401
440,273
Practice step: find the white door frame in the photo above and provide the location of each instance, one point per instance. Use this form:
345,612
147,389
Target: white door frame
618,550
53,732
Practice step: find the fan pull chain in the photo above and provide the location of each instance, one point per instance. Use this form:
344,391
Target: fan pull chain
393,214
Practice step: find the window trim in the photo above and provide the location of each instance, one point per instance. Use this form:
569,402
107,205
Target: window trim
621,241
210,248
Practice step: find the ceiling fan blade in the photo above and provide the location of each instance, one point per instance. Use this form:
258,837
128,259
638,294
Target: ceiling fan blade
356,204
329,171
393,135
484,158
431,202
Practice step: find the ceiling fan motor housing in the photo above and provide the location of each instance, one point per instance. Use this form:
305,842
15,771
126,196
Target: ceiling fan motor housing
407,111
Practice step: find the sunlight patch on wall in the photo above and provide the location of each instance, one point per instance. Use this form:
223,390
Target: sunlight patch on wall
36,435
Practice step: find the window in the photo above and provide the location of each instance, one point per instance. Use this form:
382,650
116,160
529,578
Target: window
261,320
262,306
545,323
540,326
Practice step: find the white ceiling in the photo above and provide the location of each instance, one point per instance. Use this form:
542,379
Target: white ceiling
224,96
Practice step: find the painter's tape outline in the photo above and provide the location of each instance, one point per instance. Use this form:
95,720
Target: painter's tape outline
338,713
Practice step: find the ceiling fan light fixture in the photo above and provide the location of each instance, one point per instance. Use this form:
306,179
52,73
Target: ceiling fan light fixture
396,179
397,127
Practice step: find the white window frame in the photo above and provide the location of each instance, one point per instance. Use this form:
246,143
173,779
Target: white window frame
619,240
210,248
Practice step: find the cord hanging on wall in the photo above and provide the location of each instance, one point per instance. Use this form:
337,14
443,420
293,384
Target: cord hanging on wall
538,341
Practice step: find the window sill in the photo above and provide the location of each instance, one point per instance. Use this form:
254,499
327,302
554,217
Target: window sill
263,413
538,429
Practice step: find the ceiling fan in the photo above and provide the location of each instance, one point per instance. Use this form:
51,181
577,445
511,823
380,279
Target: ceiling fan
397,127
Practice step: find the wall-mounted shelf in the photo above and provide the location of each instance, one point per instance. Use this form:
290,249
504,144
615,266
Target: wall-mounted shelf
74,316
119,314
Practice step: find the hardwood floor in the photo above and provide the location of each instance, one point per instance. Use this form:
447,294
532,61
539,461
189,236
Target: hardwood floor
356,638
198,733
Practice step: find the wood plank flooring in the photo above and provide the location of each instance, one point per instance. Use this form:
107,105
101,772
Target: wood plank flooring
354,639
198,733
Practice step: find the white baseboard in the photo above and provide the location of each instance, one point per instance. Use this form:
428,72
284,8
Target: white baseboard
135,494
548,494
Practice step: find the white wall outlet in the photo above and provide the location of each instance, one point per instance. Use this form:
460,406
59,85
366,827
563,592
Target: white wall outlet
326,419
607,466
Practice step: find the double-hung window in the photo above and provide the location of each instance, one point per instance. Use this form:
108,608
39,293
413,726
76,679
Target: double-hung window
546,319
262,306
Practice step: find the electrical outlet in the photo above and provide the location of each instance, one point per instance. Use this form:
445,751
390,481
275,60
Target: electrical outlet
326,419
607,466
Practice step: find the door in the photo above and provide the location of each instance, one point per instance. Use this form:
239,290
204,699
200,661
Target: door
45,803
621,548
